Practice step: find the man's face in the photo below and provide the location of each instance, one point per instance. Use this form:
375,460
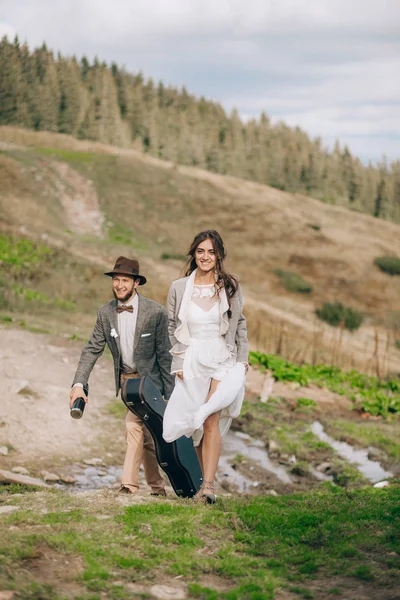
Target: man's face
124,287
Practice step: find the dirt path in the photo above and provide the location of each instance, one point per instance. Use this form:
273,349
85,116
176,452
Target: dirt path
36,373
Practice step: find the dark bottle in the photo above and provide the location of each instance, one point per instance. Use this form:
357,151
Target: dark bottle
79,405
77,408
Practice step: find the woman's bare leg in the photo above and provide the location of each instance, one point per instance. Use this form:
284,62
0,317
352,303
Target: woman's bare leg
211,443
199,452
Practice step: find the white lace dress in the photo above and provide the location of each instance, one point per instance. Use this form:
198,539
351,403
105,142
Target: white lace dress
207,357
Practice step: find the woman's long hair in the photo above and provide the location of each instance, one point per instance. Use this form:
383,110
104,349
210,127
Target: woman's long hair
223,279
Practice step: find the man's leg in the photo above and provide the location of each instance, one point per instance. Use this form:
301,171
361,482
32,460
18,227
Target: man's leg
134,452
134,446
140,447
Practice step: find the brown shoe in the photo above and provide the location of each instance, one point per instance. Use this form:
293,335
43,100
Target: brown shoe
161,493
124,490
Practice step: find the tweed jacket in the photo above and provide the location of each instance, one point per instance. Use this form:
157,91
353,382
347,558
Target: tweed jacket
151,345
233,330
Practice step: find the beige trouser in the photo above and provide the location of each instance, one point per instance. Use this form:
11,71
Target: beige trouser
140,447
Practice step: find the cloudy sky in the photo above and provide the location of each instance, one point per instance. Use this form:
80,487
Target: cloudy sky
330,66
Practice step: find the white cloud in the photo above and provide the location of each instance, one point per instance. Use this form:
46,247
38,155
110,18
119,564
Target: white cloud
329,66
7,30
106,21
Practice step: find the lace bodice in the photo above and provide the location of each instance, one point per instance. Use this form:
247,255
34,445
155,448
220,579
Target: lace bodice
205,296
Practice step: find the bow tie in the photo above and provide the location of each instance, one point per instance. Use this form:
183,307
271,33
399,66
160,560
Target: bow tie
122,307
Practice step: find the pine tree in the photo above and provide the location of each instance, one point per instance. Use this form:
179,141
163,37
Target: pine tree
12,108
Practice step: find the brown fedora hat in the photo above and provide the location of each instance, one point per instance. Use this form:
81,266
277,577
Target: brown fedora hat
127,266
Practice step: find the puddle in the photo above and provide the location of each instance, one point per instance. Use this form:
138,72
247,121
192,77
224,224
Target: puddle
235,443
371,469
94,478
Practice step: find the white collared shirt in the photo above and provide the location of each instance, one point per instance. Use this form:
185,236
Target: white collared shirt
127,328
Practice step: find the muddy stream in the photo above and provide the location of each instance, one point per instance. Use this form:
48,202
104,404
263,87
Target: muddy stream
238,446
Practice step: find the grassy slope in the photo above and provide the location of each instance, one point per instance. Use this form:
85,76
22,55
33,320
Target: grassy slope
287,547
153,208
311,546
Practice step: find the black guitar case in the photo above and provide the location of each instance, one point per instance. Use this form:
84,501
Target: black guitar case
177,459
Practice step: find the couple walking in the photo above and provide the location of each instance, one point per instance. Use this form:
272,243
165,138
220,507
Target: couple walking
196,353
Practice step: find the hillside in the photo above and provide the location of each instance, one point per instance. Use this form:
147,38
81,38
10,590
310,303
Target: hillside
41,91
90,202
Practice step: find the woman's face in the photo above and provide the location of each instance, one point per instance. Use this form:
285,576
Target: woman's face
205,257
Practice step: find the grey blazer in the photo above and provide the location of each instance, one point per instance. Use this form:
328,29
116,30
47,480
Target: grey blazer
152,352
233,330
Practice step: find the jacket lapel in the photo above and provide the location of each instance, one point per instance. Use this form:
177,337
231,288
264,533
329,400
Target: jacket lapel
223,310
113,316
141,319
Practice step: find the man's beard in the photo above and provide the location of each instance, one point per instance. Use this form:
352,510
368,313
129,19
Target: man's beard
125,298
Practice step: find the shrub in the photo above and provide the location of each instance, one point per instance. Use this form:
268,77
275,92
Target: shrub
173,256
293,282
314,226
397,344
388,264
335,314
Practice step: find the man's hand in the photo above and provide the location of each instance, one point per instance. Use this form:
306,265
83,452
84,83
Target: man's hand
179,374
76,392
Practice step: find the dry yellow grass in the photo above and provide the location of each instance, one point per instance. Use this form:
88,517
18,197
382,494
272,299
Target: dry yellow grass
263,228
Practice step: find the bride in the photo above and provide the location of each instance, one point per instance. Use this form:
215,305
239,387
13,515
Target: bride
210,355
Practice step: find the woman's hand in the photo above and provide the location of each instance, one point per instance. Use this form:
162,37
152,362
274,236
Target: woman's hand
179,374
246,366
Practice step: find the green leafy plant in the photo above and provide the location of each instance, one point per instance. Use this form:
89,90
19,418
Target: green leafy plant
335,314
388,264
369,394
293,282
305,402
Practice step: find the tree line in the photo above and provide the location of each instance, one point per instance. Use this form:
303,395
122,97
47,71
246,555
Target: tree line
107,104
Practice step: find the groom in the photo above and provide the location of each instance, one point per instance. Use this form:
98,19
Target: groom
136,332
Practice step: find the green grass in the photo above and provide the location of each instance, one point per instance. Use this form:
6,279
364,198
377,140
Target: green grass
293,282
119,234
33,296
253,547
21,256
293,532
5,319
116,408
376,396
173,256
305,402
71,156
